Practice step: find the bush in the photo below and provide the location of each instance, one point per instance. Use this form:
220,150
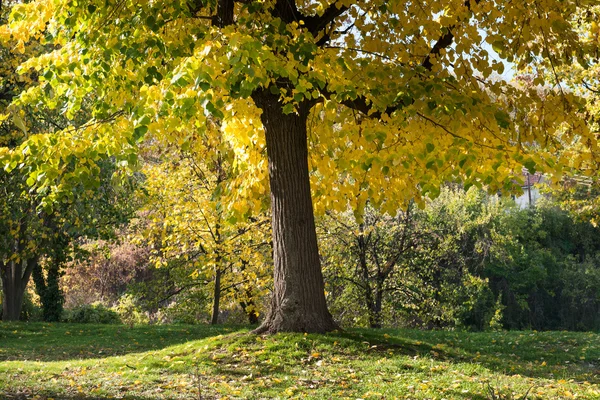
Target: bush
130,312
95,313
190,307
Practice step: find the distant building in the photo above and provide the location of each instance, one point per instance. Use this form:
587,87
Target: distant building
531,192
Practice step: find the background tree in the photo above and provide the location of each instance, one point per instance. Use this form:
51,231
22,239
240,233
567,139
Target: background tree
105,271
419,269
378,246
33,241
193,231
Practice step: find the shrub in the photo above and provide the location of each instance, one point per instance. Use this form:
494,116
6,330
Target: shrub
130,312
95,313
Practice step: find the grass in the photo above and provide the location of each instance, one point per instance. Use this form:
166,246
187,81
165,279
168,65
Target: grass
69,361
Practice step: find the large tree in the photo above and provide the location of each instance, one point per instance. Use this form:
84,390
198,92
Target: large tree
392,98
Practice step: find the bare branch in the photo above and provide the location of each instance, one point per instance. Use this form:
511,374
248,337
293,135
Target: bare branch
589,87
361,51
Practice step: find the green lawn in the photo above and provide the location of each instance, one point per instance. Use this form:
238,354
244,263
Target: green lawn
69,361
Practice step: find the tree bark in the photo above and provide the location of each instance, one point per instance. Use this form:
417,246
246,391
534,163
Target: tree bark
376,317
214,320
14,282
298,303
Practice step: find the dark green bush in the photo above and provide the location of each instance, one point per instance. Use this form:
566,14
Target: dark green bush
91,314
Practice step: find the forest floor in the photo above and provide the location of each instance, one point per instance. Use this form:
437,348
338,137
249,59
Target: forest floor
71,361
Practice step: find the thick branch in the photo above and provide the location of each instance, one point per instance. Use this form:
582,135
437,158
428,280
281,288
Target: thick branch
316,23
224,14
287,11
31,264
443,42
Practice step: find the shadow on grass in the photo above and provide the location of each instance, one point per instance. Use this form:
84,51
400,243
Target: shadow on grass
549,355
60,342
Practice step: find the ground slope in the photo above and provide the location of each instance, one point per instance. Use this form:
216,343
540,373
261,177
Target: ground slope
69,361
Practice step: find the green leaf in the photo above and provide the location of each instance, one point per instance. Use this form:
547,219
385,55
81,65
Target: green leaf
274,89
502,118
179,80
18,121
151,22
152,74
145,120
429,147
139,132
214,110
204,86
498,46
288,108
530,165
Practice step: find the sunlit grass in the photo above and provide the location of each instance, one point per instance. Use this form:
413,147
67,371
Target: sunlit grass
186,362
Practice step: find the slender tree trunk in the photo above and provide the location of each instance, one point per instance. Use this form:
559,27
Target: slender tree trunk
298,303
214,320
14,282
376,318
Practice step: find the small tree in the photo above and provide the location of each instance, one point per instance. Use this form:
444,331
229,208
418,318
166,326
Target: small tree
368,254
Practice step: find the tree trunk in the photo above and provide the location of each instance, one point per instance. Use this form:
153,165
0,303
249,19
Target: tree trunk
376,317
14,282
298,303
214,320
